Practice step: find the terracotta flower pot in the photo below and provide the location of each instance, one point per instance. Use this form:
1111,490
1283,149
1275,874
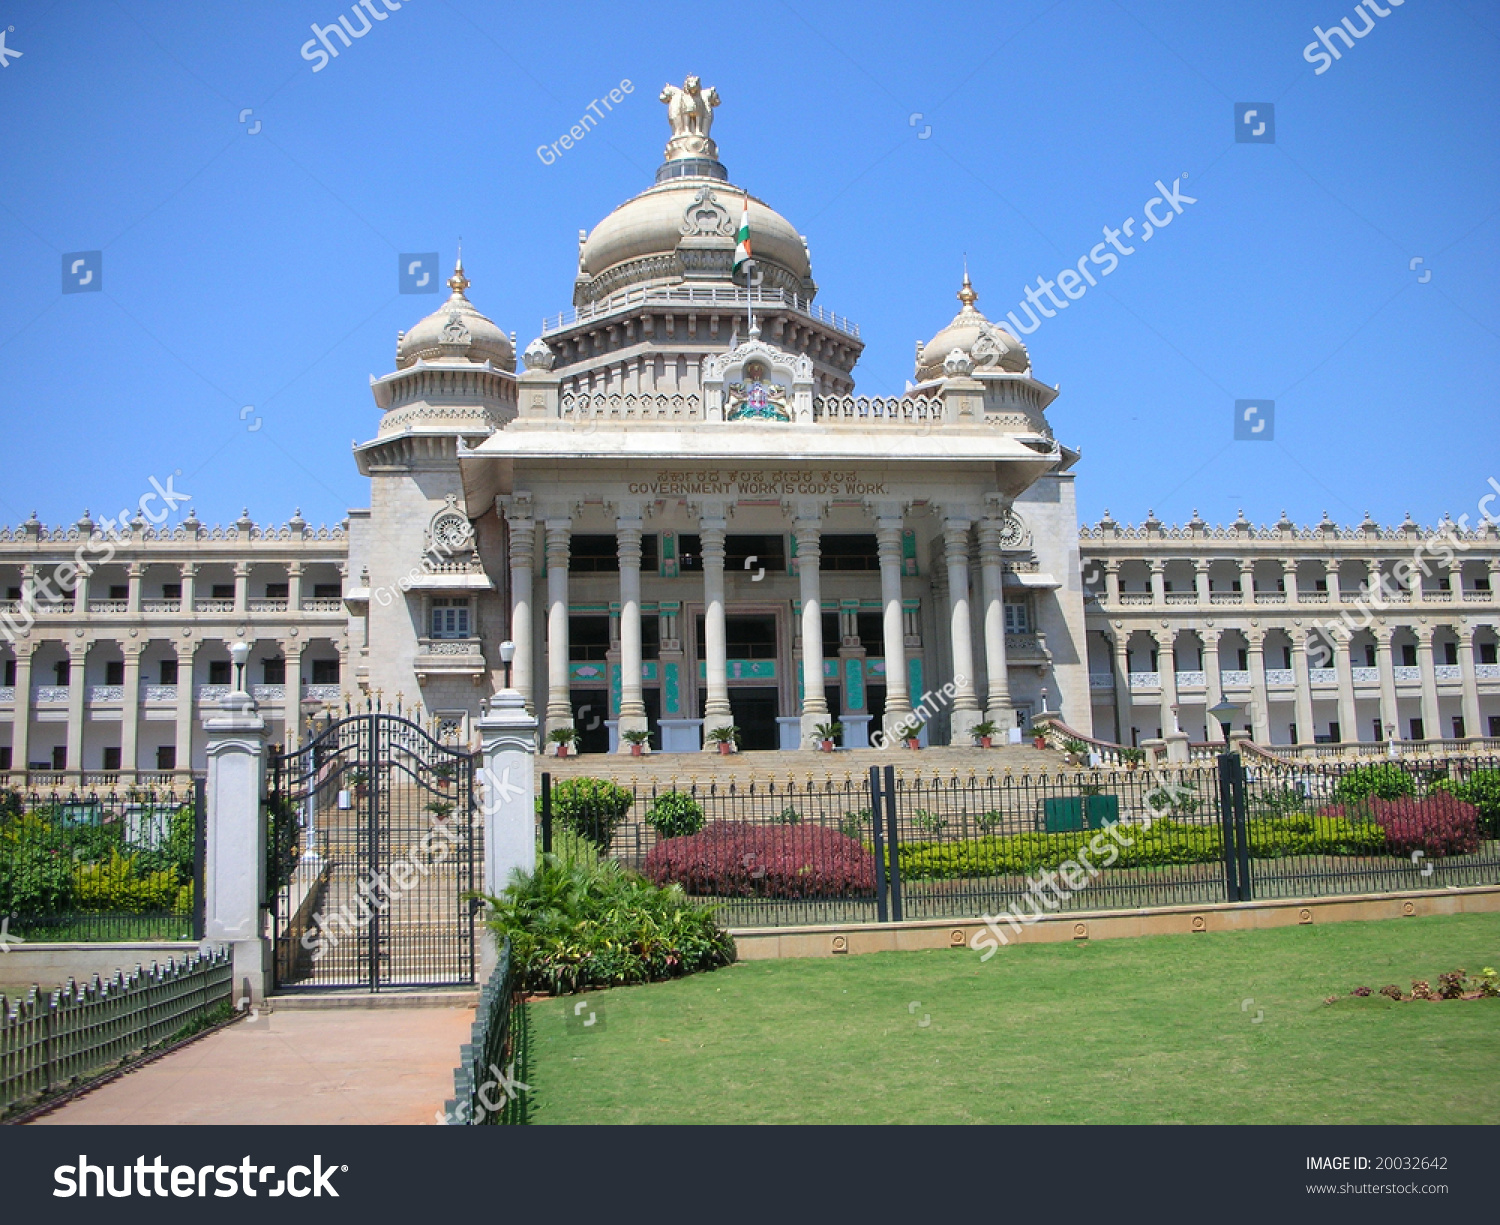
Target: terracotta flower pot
635,749
913,742
984,742
725,748
828,746
1041,742
562,750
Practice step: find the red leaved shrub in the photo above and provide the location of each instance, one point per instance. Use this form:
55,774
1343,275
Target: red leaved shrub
731,859
1438,825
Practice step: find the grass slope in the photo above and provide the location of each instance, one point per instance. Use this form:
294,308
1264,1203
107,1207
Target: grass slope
1150,1030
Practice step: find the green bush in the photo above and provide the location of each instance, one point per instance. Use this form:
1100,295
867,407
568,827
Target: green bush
580,925
1481,789
675,814
36,868
1383,781
593,807
856,824
117,885
1166,842
787,816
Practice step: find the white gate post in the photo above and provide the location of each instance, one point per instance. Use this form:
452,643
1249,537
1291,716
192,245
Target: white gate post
234,871
508,778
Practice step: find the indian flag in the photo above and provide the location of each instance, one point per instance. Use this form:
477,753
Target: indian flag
742,240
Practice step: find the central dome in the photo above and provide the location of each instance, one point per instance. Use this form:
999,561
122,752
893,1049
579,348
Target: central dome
683,230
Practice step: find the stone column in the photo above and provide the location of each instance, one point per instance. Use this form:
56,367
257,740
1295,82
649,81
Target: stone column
1213,681
1247,580
1348,716
235,864
1261,716
632,698
20,735
1389,712
134,573
78,654
1306,732
1331,580
559,696
1112,580
808,529
1289,580
893,628
1166,670
1201,580
1431,714
293,591
188,572
965,703
81,589
130,706
1123,696
241,586
712,526
507,735
1472,718
522,563
185,648
997,708
291,704
1158,581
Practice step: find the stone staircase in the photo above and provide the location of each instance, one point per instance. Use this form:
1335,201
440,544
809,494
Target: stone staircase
802,765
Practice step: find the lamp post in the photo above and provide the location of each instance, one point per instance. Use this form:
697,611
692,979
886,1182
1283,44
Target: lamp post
507,654
1231,807
240,654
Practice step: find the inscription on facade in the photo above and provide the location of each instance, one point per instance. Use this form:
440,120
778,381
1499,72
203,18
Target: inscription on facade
734,482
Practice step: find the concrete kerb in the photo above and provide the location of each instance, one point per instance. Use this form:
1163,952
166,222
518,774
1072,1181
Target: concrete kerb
835,939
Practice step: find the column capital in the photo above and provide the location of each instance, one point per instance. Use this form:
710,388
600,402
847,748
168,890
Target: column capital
989,532
294,568
956,539
132,649
809,510
1157,564
135,569
886,508
888,532
710,510
1201,565
1424,633
241,569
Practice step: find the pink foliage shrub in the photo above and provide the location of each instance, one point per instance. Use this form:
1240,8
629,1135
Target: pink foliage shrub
1438,825
730,859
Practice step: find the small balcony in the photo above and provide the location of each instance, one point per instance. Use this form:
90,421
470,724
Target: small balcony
449,657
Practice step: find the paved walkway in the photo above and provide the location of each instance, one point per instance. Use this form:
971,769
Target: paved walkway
348,1065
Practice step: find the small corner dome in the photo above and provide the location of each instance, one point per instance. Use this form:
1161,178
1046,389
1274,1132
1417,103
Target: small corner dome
456,331
989,347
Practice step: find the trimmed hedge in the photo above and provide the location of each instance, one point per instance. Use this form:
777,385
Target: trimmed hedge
592,807
1166,842
730,859
675,814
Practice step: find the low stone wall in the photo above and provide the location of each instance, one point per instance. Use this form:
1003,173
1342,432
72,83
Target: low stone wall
769,943
51,965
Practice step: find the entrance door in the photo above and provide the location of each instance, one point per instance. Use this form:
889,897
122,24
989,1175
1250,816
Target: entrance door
754,709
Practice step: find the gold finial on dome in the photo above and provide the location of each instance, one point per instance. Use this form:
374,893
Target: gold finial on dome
967,295
458,282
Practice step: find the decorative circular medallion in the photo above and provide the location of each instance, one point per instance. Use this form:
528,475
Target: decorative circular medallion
452,532
1012,532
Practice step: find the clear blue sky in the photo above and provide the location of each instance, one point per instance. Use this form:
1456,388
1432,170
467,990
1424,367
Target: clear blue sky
260,269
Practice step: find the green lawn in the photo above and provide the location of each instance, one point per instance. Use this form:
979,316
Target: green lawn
1152,1030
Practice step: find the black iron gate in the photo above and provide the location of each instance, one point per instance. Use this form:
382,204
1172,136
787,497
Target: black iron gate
375,853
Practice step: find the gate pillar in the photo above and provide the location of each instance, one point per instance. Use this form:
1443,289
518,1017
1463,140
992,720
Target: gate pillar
234,873
508,781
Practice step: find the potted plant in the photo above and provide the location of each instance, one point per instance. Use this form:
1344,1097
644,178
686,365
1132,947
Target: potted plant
1038,737
1077,751
828,734
1132,757
361,783
444,772
563,737
727,738
911,733
985,733
637,741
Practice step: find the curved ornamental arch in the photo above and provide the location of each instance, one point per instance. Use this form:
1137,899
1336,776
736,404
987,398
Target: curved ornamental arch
375,853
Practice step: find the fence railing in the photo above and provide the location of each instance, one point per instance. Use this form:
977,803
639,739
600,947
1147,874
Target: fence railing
118,864
935,846
51,1042
485,1089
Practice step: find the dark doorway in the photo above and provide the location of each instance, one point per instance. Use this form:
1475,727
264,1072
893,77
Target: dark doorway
652,699
754,710
590,710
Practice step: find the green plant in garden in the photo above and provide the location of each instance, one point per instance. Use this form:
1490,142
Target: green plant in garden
117,885
856,825
579,925
928,822
637,736
787,816
1383,781
989,821
675,814
1481,789
1276,801
592,807
1179,801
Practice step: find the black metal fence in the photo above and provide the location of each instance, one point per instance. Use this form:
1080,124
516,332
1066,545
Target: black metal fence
119,864
919,846
489,1082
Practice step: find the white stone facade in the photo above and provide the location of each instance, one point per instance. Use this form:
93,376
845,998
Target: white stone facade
685,520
